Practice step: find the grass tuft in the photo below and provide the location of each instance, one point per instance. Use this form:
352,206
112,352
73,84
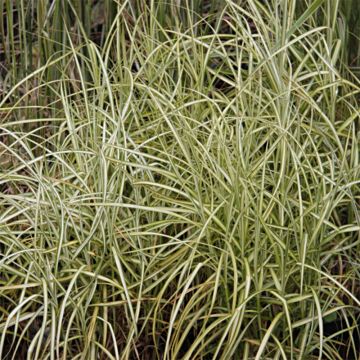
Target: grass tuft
179,180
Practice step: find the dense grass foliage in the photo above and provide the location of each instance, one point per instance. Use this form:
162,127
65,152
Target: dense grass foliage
179,180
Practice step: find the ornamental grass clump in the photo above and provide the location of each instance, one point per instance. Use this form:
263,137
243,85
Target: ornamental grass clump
179,180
